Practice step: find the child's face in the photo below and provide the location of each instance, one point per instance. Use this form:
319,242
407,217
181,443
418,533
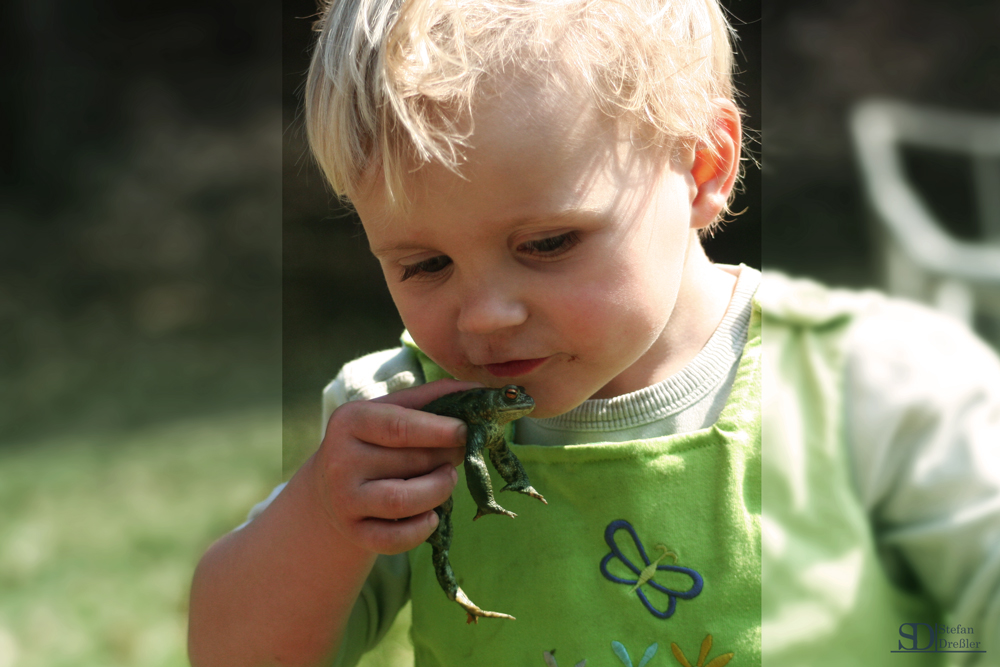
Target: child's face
554,262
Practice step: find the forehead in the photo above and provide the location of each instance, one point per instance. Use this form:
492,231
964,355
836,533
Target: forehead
544,105
534,144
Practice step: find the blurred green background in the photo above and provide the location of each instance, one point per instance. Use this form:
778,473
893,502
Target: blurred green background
140,314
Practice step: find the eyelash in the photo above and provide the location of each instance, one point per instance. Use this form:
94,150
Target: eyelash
432,265
552,246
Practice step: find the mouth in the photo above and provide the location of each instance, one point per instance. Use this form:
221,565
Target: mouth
514,368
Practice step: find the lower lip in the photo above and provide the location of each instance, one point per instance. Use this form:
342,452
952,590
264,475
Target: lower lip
510,369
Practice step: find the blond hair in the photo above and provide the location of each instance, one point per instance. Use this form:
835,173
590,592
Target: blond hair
392,83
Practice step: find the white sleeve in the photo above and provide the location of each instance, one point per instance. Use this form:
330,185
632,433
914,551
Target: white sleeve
923,429
262,505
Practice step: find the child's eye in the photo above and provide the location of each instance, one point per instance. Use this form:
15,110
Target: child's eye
432,265
554,245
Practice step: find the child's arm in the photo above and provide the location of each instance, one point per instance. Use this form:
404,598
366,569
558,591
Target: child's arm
281,590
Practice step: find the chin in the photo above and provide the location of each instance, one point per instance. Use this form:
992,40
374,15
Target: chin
551,406
542,413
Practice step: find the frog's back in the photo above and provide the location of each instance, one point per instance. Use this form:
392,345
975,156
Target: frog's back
472,405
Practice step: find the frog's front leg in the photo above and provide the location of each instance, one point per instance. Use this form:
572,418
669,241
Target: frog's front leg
440,541
477,476
511,470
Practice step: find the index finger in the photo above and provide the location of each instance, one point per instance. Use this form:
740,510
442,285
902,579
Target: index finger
417,397
388,425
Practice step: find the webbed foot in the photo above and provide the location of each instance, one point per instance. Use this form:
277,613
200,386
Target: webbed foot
492,508
474,612
512,471
440,541
527,490
478,478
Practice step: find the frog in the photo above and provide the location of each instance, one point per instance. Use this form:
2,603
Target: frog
486,411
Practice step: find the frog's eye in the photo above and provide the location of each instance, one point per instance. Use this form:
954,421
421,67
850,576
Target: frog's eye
510,393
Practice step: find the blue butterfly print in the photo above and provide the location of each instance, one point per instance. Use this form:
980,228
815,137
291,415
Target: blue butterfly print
672,595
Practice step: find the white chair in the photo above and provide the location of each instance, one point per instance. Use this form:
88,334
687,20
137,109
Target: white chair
920,258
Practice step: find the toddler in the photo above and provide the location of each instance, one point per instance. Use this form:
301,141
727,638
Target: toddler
734,467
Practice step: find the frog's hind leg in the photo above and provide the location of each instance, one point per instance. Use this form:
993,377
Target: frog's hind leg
440,541
512,471
478,477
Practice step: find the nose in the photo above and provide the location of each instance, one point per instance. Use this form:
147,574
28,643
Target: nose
488,308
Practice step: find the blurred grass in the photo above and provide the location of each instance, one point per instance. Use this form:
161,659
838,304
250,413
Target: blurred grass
300,435
100,535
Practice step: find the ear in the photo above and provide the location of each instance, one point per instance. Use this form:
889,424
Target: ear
715,167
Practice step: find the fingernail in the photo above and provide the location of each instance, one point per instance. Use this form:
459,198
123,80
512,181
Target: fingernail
462,432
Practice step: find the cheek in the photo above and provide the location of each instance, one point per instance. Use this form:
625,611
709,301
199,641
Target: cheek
622,306
431,324
425,319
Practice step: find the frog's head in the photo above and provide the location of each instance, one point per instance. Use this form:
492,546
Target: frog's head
512,403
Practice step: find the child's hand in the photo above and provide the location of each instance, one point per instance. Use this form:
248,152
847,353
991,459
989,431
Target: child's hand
384,465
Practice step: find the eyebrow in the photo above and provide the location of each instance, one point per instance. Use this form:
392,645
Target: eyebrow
554,217
508,223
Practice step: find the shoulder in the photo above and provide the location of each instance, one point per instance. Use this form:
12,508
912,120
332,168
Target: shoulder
805,302
910,369
887,341
909,339
371,376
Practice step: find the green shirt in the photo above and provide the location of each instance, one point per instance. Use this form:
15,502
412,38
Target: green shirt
567,571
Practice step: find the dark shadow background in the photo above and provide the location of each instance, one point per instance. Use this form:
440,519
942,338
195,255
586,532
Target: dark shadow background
822,56
140,254
139,212
140,313
336,304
